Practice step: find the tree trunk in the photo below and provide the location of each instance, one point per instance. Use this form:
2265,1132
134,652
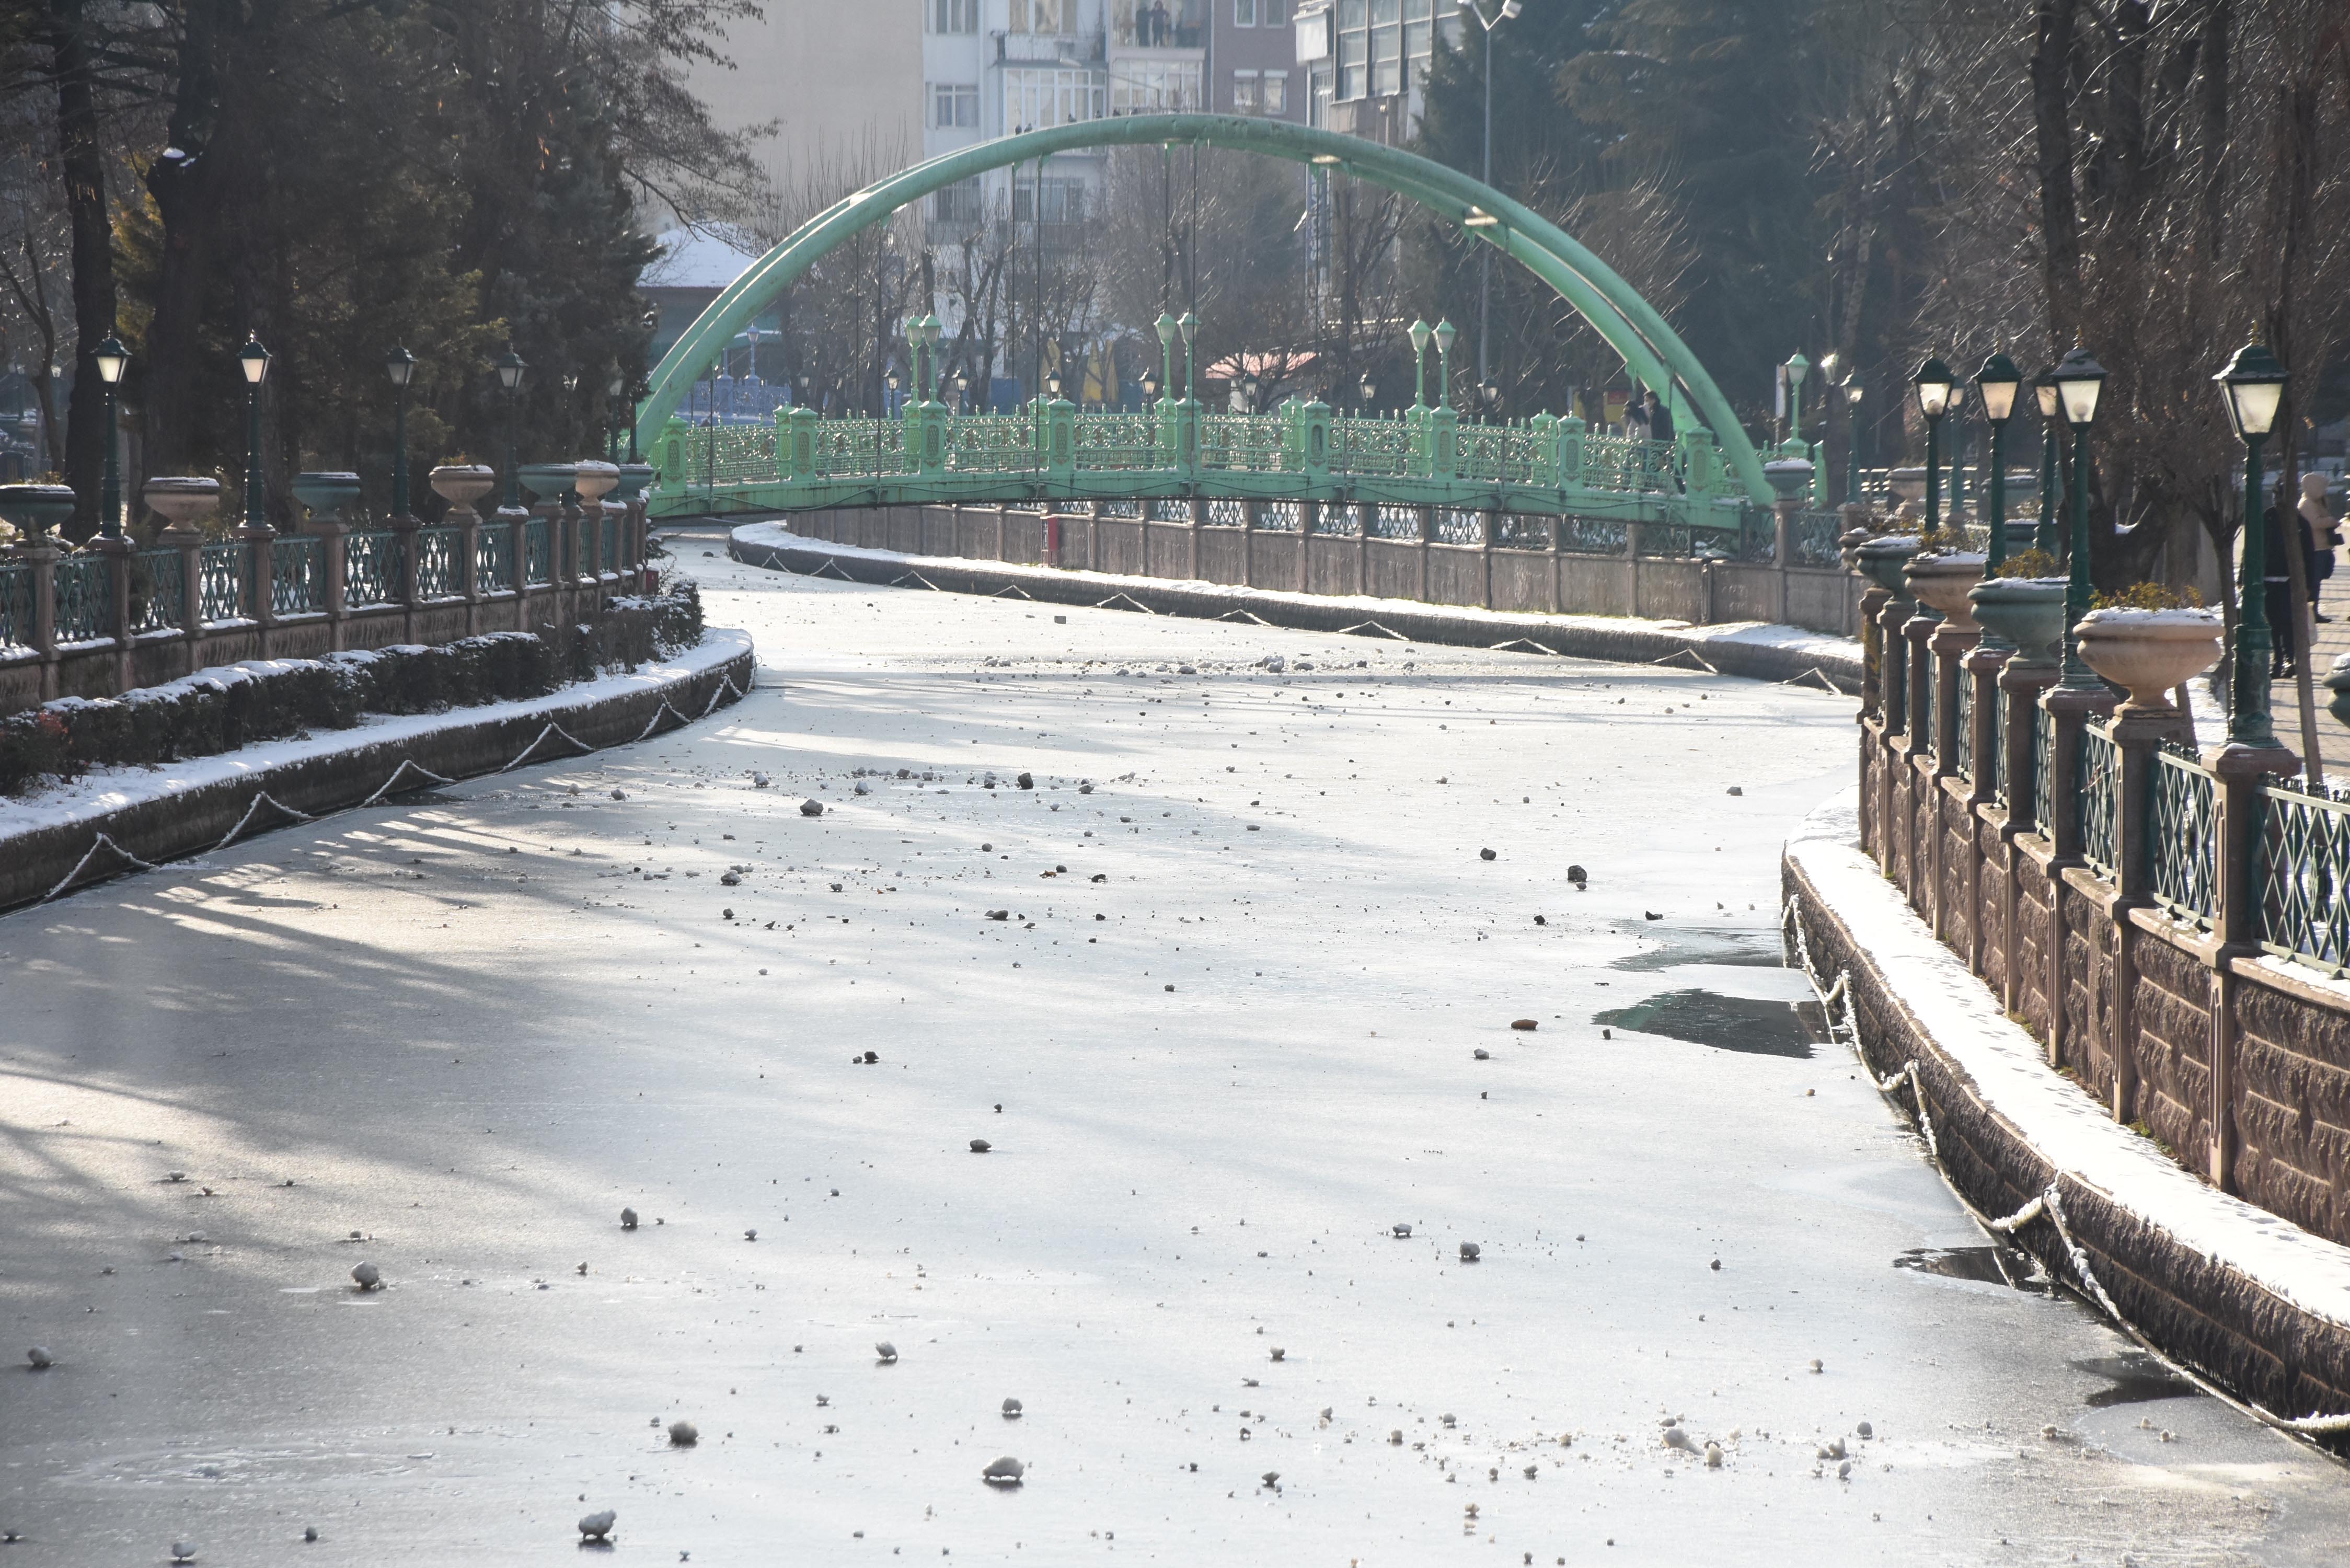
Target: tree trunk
189,190
2060,218
82,163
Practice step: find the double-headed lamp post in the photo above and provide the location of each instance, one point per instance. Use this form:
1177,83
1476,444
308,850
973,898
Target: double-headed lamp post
399,364
253,360
2079,380
2044,389
510,368
112,360
2253,383
1933,381
1997,383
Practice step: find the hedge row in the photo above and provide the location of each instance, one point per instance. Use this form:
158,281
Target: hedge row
220,710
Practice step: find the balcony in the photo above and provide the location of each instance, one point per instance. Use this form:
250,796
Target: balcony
1149,25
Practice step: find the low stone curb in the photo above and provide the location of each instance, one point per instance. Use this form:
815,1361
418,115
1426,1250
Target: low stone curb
2245,1301
1575,638
69,855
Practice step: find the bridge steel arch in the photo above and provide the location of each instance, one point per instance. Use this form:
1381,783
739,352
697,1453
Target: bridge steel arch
1632,326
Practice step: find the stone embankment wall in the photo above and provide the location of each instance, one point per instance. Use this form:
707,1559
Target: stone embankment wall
1340,554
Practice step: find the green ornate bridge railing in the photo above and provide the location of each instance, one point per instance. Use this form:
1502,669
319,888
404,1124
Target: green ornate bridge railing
1300,452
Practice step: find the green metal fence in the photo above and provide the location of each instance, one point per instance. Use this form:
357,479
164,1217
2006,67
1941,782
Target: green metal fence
297,574
2098,799
224,583
159,590
2183,835
85,604
2043,770
16,607
372,567
2304,870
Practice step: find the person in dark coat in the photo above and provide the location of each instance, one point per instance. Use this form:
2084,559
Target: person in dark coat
1660,417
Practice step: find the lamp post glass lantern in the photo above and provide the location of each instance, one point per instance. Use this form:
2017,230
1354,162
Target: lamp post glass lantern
1933,382
2079,380
1419,332
2043,390
253,360
400,365
1996,385
2252,387
1796,368
1444,336
112,360
1852,396
510,368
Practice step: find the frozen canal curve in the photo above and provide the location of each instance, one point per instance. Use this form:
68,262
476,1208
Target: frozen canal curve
1244,1013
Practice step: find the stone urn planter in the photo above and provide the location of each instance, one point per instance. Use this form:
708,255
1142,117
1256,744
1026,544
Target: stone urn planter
35,509
183,502
634,478
1908,483
1941,580
460,484
325,494
547,480
2149,651
1882,559
2028,612
592,480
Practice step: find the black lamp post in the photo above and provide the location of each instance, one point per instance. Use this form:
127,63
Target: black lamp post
2253,383
2079,378
1369,389
1190,327
400,366
112,360
2044,388
612,390
1852,396
1933,381
962,391
511,370
253,360
1996,384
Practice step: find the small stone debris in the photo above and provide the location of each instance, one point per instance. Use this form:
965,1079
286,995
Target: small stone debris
627,1219
1578,875
1486,854
309,1532
175,1176
998,914
1025,781
1735,790
759,781
730,879
1395,1438
1270,1478
620,795
1006,1471
1865,1430
1608,1034
750,1235
1713,1456
40,1358
1170,986
1652,914
683,1434
1278,1354
1531,1471
863,788
1402,1232
597,1526
1482,1054
1717,1265
979,1145
1844,1471
1527,1024
1677,1438
367,1276
182,1553
1012,1409
811,807
872,1058
1471,1252
886,1351
1835,1450
1060,621
1539,920
1817,1368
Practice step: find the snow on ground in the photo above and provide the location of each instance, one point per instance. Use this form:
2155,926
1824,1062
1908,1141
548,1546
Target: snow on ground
470,1028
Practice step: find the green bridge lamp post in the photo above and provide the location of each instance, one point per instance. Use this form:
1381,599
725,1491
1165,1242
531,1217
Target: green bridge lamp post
1996,384
1852,396
612,390
2044,386
1420,334
1933,381
1166,328
112,360
1797,368
1444,336
2253,383
511,368
1189,326
2079,380
399,364
253,360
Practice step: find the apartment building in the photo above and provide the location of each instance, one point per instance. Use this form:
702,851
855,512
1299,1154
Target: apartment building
1366,62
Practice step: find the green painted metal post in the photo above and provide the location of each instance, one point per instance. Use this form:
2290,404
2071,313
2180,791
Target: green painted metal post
2078,676
1544,473
2249,722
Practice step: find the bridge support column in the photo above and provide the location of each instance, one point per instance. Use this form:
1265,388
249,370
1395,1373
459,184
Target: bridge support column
1199,521
1489,524
1427,515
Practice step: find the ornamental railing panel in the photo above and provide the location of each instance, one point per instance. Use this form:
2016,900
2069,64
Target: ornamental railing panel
1369,446
1816,533
1118,508
1501,454
732,454
1927,719
1118,440
1998,711
2043,770
437,576
1757,544
221,571
16,607
1222,513
493,559
871,449
610,534
1963,689
1280,517
990,444
84,602
1660,542
371,567
1395,522
2303,875
1246,443
1619,462
2182,839
2099,799
537,552
159,590
1339,522
1459,526
1517,531
297,574
1592,536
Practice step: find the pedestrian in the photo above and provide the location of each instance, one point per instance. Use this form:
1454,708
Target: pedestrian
1636,420
1660,417
2284,627
2322,538
1158,28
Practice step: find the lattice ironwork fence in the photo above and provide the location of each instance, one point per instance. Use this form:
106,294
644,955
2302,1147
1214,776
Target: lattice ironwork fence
223,583
2183,835
493,559
16,607
2304,875
371,567
437,573
159,590
537,552
297,574
2098,799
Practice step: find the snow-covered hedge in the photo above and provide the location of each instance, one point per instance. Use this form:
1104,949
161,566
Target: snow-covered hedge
216,711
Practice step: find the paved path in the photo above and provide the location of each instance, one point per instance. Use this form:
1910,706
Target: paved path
454,1036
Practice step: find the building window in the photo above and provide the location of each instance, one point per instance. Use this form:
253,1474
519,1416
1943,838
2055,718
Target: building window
1044,17
1418,33
1243,12
1145,87
1272,13
1065,200
1159,24
1354,49
1244,99
954,106
1034,98
958,206
952,15
1272,93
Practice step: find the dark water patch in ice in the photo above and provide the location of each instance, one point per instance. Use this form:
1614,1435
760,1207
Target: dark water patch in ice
2133,1380
1987,1265
1740,1023
1745,946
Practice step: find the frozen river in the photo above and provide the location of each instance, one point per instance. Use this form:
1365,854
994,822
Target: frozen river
1228,996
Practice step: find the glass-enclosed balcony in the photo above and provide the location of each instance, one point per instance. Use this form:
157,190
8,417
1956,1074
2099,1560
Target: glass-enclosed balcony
1159,24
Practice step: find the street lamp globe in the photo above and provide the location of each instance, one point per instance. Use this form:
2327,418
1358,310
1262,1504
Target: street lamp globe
2079,378
253,360
1853,391
1997,383
1250,387
1189,325
1419,333
1369,389
2253,385
1444,336
1149,384
399,364
1797,368
112,359
1933,381
2044,386
511,367
1052,384
1166,327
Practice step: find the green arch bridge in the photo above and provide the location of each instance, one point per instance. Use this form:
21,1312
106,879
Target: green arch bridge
1703,479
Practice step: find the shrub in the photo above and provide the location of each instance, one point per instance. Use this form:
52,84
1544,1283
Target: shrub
2031,564
2149,596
